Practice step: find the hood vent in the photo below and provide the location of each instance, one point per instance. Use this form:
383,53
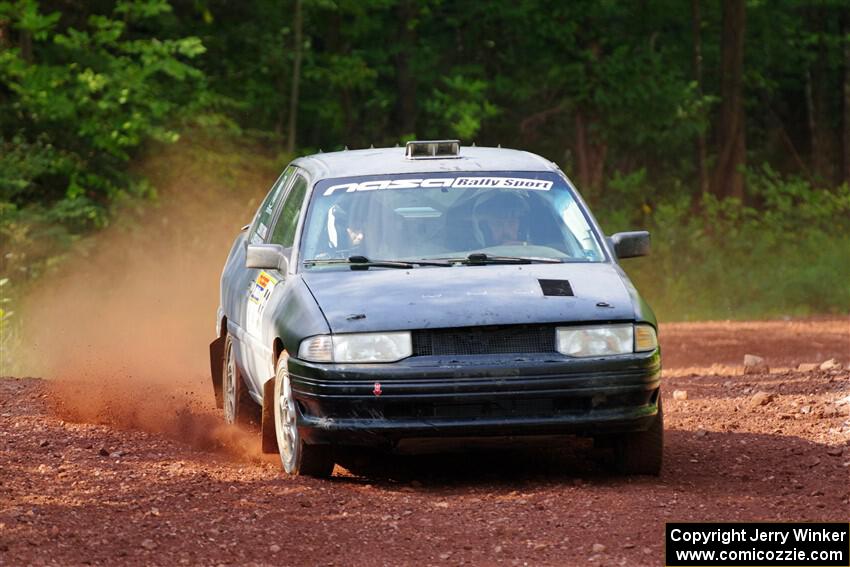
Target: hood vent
556,288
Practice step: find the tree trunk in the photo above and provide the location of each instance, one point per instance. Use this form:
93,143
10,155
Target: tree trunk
728,173
597,164
347,117
590,154
405,81
845,134
4,34
26,45
700,150
582,159
811,122
5,43
296,79
819,88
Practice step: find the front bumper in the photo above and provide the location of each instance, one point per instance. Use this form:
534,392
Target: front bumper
496,395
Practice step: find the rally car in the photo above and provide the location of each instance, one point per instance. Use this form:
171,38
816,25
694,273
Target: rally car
434,291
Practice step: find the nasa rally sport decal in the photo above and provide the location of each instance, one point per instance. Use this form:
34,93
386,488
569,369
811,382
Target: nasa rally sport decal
437,182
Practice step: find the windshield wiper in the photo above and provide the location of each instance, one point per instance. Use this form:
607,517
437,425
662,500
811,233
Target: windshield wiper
358,261
479,258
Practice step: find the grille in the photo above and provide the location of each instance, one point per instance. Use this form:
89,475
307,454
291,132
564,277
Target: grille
520,339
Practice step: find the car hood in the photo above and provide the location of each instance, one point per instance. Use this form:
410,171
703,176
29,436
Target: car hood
397,299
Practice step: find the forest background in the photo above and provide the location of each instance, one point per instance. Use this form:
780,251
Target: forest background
722,126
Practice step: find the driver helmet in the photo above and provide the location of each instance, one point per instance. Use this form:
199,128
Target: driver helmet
498,218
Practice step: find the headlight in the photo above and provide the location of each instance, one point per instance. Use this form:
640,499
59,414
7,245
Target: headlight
596,340
357,347
604,340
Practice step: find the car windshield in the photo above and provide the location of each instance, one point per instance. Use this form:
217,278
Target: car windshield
447,216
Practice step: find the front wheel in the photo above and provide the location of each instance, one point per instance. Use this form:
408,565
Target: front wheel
296,456
643,452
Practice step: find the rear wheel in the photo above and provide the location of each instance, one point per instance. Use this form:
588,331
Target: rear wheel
642,452
296,456
238,405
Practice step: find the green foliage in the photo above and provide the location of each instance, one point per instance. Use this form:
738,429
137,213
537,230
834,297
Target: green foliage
606,89
77,104
786,257
78,107
459,106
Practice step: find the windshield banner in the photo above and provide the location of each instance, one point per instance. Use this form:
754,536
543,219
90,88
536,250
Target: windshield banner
436,182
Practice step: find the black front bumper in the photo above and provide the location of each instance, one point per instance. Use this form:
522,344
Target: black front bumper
497,395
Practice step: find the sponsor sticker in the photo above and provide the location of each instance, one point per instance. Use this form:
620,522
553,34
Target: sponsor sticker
263,286
441,182
257,301
503,183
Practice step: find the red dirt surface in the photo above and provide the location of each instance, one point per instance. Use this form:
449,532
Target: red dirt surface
162,482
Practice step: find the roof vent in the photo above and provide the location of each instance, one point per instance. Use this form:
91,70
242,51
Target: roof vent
556,287
432,149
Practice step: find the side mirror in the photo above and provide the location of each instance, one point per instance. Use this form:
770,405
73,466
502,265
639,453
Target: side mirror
631,244
267,257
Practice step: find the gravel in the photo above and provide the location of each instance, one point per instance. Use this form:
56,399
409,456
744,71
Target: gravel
175,497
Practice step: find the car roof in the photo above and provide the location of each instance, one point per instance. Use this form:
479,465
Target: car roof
389,161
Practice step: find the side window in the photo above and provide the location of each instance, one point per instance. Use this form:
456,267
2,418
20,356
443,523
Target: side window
265,213
284,229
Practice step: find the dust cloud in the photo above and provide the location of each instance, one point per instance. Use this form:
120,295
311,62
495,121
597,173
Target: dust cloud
121,330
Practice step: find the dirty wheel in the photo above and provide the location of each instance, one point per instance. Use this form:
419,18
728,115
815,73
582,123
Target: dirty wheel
296,456
642,453
238,405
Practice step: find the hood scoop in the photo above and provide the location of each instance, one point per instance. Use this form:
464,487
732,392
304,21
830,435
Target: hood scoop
556,288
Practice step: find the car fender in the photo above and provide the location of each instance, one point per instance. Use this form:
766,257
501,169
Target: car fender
643,312
293,316
290,315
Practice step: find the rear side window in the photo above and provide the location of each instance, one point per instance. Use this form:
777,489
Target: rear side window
284,230
260,228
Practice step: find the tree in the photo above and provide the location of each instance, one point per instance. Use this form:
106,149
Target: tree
298,48
81,101
407,12
696,23
731,159
845,133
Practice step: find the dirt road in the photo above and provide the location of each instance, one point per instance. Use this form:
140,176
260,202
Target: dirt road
109,488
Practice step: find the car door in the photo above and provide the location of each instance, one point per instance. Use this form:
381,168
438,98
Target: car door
238,281
269,283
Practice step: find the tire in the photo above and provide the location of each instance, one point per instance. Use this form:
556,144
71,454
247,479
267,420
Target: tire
643,452
239,408
296,456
